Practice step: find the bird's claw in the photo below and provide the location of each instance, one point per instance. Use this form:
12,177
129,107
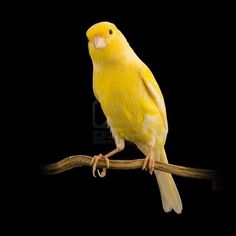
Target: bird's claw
94,163
149,163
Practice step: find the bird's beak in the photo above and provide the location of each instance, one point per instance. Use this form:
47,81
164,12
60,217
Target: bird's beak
99,42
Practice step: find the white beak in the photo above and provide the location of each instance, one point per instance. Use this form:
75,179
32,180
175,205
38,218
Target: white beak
99,42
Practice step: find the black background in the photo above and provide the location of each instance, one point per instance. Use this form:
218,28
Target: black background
54,106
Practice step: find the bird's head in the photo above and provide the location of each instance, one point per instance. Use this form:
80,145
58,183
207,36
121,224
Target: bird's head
106,42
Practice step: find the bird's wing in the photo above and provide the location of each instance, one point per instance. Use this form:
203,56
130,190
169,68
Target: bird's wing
154,91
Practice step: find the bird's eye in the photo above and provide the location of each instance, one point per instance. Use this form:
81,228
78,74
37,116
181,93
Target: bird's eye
110,31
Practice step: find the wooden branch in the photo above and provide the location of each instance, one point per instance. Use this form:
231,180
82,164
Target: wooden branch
82,160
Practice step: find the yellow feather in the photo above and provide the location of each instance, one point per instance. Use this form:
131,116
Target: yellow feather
130,99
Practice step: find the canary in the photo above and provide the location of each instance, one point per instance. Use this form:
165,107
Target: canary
133,104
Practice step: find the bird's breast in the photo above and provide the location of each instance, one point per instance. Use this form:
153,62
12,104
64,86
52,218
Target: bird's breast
123,101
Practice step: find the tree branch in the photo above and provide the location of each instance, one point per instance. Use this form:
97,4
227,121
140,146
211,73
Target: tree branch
82,160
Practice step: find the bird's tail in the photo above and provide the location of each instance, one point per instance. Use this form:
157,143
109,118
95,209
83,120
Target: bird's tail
169,192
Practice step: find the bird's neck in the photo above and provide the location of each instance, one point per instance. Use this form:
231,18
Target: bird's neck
123,58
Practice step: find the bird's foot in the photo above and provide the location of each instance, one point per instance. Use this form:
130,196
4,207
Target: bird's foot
94,163
149,162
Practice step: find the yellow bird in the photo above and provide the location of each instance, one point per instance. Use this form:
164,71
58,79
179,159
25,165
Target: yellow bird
132,103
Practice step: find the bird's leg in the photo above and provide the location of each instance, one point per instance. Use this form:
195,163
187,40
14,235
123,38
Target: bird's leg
94,163
149,161
96,158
